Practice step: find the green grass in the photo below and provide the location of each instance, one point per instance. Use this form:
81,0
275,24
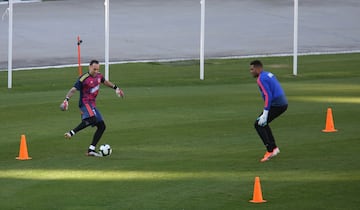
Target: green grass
182,143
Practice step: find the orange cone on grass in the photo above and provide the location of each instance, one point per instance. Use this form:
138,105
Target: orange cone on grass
257,195
23,152
329,124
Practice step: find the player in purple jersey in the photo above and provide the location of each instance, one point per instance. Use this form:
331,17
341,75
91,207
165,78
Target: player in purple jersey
275,103
88,85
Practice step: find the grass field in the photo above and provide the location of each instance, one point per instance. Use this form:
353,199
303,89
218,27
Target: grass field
182,143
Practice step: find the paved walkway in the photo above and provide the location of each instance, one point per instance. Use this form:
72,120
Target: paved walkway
45,33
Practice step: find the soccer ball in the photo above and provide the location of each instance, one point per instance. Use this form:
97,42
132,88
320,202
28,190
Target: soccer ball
105,150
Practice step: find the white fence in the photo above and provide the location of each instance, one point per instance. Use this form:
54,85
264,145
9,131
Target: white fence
170,29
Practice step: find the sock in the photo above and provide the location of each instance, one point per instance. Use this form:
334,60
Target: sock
92,147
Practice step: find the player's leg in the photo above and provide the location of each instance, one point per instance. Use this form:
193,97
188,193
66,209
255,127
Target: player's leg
88,118
264,135
263,132
84,123
271,140
100,129
275,111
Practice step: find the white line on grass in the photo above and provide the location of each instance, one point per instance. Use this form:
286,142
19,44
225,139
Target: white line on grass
186,59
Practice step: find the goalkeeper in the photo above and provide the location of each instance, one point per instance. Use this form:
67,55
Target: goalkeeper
88,85
275,103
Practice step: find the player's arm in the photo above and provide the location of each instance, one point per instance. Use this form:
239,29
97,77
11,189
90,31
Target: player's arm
70,93
65,104
108,83
265,89
118,90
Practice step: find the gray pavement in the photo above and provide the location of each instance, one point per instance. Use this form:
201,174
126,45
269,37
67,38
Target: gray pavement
45,33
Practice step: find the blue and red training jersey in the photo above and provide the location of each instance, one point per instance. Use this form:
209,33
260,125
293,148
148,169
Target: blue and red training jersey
271,90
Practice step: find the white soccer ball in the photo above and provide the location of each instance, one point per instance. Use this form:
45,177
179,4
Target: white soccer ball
105,150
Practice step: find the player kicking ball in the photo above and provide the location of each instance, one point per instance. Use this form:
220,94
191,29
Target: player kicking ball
88,85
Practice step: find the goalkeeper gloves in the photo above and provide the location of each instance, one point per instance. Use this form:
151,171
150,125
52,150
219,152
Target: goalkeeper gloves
119,92
262,120
65,104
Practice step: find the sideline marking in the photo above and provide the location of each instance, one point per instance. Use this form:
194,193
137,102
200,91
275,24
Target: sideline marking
187,59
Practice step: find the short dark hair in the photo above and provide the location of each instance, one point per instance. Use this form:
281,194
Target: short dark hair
94,61
256,63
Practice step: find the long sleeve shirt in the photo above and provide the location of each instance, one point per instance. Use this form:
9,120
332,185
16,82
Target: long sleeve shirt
271,90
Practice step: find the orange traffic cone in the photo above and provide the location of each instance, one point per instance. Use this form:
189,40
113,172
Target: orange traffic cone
329,125
257,195
23,153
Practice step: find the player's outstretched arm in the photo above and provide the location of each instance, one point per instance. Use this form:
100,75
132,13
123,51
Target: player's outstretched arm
119,92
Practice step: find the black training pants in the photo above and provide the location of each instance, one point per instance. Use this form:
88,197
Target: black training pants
265,132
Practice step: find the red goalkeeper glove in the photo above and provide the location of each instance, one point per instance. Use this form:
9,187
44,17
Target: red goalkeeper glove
119,92
64,105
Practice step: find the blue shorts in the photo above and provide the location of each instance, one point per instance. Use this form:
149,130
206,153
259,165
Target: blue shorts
89,111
